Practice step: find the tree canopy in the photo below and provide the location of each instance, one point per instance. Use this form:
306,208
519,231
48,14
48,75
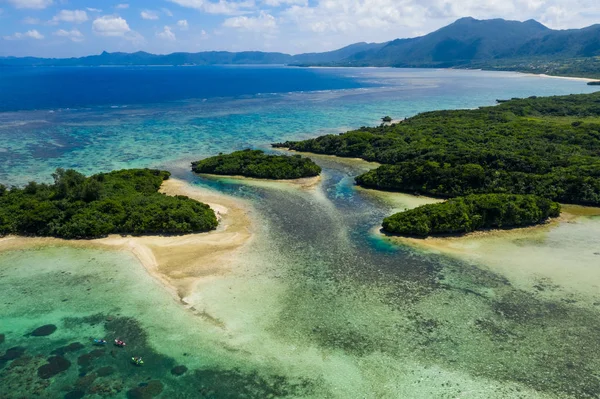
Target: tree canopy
123,202
255,163
470,213
546,146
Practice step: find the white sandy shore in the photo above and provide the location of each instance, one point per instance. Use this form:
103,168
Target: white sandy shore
456,244
179,262
302,183
543,75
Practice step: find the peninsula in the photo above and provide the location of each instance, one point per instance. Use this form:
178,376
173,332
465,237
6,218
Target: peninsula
543,147
119,202
257,164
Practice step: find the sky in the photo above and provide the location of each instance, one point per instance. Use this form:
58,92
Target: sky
67,28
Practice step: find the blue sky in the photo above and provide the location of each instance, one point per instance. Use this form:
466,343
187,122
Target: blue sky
64,28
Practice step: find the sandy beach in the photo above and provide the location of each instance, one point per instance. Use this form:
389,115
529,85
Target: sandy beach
179,262
543,75
561,252
458,245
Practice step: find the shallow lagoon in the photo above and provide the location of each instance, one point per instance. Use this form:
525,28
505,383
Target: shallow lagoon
317,306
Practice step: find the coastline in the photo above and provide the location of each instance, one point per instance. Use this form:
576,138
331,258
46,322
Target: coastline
453,244
558,259
543,75
177,262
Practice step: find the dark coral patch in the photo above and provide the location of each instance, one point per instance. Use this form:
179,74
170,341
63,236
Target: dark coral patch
2,338
74,347
12,353
43,331
148,390
56,365
179,370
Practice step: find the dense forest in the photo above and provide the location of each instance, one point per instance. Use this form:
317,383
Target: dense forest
548,146
123,202
255,163
538,150
470,213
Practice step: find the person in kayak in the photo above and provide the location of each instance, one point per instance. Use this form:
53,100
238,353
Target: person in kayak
119,343
99,342
137,361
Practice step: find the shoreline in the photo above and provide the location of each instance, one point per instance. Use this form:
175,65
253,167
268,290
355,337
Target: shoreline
177,262
543,75
455,245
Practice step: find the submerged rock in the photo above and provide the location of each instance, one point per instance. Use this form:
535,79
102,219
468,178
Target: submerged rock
75,395
56,365
86,359
83,383
44,331
74,347
179,370
12,353
2,337
150,390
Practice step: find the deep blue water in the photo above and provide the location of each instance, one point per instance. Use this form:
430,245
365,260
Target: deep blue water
73,87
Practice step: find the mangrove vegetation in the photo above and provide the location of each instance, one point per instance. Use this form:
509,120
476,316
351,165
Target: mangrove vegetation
473,212
257,164
122,202
547,147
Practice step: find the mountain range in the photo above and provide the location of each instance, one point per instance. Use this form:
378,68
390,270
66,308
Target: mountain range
466,42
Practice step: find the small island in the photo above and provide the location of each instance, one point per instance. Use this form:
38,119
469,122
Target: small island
474,212
119,202
257,164
538,146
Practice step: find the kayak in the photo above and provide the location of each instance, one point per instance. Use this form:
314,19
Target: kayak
137,361
119,343
99,342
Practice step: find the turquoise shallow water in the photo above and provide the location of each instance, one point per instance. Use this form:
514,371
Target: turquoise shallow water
109,136
316,306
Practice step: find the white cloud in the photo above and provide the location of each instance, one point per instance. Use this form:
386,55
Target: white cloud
30,34
90,9
148,14
110,25
74,16
122,6
33,4
220,7
166,34
31,21
183,24
264,22
115,26
167,12
74,35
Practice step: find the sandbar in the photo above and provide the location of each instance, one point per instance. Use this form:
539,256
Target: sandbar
302,183
178,262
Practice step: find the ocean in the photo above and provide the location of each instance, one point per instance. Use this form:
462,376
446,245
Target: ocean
318,304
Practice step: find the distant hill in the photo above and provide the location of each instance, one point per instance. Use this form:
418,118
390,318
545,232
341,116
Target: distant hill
468,42
202,58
